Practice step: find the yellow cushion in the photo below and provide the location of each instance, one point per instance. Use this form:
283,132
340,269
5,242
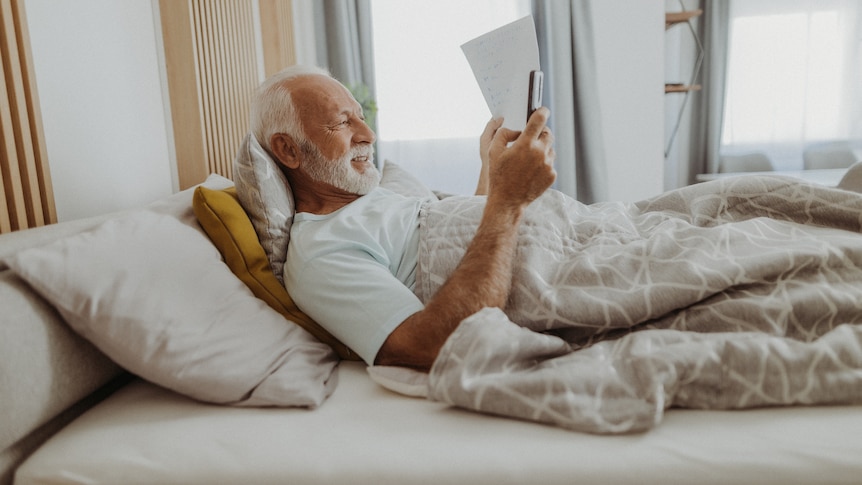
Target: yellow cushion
228,226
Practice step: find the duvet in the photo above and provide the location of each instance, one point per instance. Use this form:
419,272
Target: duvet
735,293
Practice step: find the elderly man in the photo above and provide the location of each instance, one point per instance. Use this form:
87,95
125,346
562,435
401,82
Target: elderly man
352,259
613,311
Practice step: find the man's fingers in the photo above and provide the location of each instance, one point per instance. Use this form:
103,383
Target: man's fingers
537,122
546,136
506,135
493,125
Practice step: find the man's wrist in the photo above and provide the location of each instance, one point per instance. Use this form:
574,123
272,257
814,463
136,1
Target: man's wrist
500,206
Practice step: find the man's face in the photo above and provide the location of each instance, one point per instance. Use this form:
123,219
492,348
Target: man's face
340,150
340,172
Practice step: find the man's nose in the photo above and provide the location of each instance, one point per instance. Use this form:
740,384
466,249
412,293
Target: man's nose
364,134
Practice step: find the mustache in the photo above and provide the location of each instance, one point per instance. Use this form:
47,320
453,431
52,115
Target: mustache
366,150
361,151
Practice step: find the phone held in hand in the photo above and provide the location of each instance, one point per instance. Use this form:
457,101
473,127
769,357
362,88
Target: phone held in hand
534,96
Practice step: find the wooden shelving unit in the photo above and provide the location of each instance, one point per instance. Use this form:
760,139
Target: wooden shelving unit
676,18
672,19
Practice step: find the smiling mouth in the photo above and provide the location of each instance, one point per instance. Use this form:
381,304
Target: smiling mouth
360,164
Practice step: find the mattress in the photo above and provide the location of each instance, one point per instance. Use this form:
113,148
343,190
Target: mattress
366,434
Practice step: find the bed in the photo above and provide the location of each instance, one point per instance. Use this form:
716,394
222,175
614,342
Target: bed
221,397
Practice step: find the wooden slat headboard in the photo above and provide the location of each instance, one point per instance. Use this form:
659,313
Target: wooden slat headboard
212,69
26,194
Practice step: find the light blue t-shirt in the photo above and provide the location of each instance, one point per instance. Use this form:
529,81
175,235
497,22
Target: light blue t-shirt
353,271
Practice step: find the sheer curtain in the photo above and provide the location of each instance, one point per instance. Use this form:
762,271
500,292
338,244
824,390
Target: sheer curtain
795,68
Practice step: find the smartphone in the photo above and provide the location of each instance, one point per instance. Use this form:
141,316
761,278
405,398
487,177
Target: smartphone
534,96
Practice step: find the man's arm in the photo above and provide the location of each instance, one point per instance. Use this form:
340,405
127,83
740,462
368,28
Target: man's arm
517,175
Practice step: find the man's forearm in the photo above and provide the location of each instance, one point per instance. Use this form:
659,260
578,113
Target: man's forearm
482,279
519,169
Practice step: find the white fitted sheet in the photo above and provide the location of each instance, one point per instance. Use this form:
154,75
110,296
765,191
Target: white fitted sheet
366,434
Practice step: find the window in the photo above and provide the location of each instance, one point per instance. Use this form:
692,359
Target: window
794,68
431,110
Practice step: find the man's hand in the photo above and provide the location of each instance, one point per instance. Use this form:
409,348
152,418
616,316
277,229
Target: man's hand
521,164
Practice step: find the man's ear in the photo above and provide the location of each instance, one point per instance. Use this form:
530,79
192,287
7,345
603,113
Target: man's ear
285,150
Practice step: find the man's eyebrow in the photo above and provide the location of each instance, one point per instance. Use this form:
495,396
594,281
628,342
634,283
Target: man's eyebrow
352,111
339,117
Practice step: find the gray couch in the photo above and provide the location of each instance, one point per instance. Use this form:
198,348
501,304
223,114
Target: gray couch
49,374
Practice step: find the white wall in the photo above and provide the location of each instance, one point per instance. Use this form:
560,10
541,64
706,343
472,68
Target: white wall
630,57
98,77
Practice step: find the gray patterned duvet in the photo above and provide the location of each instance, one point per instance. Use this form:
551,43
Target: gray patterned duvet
736,293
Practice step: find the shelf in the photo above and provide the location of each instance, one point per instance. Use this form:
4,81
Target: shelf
674,18
680,88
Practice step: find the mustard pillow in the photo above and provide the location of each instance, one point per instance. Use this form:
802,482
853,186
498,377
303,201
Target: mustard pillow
229,227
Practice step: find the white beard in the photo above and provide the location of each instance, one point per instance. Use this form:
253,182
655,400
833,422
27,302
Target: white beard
339,172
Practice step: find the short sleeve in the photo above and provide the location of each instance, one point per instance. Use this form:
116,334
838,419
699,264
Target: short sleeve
354,297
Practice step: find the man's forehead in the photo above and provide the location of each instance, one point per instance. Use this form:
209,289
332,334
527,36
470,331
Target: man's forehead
320,90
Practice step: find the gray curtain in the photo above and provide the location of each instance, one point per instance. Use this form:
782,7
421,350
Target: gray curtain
344,40
708,106
567,54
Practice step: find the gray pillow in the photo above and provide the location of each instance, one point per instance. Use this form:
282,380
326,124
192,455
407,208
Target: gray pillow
266,197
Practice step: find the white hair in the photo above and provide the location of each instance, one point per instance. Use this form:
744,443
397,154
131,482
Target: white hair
272,109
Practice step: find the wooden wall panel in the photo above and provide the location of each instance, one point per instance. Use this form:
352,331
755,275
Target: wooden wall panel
276,25
27,193
211,63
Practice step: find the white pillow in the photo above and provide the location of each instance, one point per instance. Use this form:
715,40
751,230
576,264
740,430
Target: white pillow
153,294
179,205
266,197
852,179
403,182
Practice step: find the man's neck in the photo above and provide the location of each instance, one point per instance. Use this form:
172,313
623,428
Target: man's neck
317,197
